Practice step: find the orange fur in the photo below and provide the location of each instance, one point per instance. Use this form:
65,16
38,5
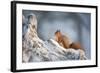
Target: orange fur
64,41
76,46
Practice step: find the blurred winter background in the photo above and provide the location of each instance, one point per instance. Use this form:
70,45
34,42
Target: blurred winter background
75,25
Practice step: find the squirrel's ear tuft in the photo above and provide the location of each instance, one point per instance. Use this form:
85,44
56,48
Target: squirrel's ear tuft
57,31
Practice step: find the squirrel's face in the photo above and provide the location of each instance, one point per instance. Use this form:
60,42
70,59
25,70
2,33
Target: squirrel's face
57,36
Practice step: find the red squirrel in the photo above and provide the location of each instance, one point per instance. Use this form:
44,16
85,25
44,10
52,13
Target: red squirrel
65,42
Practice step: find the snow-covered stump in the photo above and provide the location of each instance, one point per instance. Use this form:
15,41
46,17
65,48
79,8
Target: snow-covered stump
65,54
36,50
